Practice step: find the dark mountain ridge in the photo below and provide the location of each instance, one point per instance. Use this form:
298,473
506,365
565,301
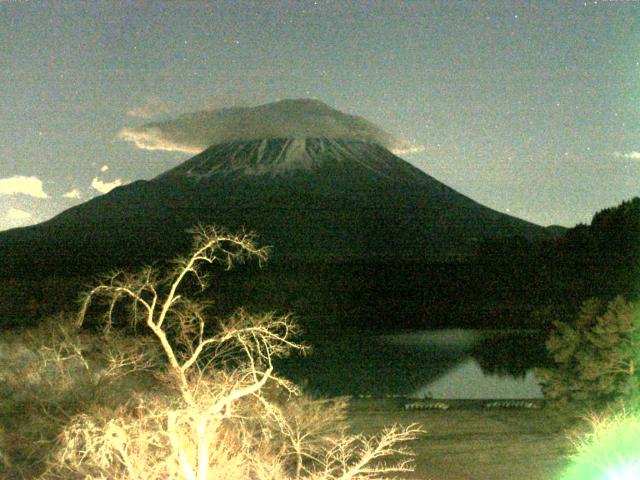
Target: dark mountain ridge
312,199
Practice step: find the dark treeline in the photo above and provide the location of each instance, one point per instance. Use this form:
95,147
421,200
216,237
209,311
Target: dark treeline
510,282
597,260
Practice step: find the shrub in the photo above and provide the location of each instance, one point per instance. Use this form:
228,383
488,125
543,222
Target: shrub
50,373
222,411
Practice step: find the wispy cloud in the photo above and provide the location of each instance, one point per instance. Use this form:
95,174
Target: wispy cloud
15,214
104,187
409,149
15,217
75,193
150,108
19,184
148,137
633,155
192,133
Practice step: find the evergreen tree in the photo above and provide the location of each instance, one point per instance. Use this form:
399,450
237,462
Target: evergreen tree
595,357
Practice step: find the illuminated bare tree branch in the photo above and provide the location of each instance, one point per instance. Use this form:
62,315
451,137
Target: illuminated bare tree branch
224,424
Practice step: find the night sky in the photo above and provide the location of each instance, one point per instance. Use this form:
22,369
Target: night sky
531,108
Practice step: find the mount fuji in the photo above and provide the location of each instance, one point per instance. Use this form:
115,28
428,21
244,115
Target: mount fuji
313,193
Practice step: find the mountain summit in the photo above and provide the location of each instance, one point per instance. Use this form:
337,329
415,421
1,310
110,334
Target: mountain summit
284,156
291,118
313,198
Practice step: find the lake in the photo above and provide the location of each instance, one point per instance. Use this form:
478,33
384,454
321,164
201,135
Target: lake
440,364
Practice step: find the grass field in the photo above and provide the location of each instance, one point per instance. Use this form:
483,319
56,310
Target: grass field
468,442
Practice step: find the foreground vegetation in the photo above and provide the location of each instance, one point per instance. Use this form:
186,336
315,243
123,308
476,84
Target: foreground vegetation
594,385
595,358
190,401
129,394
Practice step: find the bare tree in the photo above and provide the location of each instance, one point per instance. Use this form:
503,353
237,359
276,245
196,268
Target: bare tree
222,422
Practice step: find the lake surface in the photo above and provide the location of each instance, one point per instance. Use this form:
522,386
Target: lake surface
441,364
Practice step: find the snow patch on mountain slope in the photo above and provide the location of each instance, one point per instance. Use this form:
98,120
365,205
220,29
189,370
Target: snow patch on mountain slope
280,156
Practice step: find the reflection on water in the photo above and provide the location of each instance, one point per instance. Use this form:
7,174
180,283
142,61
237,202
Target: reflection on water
443,364
468,381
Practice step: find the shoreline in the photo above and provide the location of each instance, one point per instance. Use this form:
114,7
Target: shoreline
470,442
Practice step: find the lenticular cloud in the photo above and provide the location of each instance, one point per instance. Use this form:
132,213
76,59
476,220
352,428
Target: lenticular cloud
193,132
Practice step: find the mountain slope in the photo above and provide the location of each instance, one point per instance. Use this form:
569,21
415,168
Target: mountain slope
310,198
